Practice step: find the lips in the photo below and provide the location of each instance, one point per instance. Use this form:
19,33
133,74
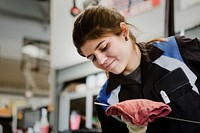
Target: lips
108,66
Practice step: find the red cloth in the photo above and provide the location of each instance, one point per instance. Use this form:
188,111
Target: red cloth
139,111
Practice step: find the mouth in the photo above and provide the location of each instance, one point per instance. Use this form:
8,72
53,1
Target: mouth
109,66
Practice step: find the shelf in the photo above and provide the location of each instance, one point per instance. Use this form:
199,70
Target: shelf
60,115
64,109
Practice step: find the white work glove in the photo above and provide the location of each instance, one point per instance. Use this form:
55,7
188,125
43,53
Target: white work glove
134,128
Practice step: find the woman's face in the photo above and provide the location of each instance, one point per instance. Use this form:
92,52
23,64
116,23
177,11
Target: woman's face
112,54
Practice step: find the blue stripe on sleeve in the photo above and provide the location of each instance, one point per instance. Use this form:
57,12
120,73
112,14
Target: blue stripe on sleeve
170,48
103,97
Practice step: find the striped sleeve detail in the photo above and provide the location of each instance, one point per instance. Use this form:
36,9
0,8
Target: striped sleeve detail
103,97
172,63
111,98
170,48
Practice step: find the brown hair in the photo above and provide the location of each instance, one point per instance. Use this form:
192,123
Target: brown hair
95,22
101,21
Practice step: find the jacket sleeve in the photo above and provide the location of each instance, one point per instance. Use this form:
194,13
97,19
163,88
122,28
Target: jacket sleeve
109,124
190,51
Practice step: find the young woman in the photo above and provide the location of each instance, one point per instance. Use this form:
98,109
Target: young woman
141,70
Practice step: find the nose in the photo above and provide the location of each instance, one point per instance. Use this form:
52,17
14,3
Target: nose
101,58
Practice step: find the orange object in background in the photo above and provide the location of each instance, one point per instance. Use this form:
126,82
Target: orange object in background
5,108
5,112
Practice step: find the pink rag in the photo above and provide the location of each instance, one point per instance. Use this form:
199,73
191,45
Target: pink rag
139,111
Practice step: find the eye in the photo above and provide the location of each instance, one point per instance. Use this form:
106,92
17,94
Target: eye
92,58
104,48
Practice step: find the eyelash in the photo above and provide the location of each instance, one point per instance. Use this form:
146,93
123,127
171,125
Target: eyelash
93,59
102,50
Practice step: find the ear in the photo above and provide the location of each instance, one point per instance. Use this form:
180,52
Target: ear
125,30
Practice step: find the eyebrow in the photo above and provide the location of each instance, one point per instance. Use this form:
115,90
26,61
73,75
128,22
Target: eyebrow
96,48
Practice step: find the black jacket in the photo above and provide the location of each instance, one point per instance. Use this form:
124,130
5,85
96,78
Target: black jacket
172,66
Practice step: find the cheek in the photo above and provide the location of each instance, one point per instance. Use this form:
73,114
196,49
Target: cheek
118,53
117,49
98,66
95,64
123,57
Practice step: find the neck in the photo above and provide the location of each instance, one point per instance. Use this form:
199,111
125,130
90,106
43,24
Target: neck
134,61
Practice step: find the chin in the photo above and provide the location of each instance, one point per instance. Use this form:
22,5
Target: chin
117,72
